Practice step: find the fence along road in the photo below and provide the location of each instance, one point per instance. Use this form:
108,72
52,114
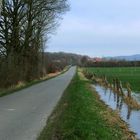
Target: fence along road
24,113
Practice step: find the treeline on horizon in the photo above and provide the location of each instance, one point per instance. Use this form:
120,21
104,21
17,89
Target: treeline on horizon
103,62
115,63
25,27
57,61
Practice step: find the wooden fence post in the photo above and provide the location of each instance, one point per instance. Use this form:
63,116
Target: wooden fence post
114,84
128,90
121,88
117,85
106,82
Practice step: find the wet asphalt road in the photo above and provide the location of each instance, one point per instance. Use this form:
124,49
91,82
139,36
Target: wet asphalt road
24,113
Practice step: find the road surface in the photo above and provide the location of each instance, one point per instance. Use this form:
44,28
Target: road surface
24,113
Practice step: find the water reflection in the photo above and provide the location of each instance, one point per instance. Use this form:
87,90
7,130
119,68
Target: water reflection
121,104
129,113
118,101
114,97
132,117
109,95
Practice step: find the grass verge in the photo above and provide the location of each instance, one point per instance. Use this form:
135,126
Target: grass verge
81,115
22,85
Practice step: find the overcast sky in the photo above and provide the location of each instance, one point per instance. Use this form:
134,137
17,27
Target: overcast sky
99,28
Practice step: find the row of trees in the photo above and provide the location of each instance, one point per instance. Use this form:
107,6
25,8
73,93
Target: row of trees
25,26
57,61
114,63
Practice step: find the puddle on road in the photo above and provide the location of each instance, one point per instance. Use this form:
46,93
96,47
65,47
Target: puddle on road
130,116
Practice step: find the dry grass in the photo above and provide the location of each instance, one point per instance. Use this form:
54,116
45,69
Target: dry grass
22,85
50,75
113,119
81,75
132,103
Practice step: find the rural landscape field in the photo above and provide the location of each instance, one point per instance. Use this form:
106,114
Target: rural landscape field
69,70
125,74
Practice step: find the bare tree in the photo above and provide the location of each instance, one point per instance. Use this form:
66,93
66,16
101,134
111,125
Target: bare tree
24,26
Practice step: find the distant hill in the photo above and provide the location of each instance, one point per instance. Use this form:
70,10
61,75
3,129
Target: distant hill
57,61
74,59
135,57
67,58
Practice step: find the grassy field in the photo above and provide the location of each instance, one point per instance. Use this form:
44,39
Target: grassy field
80,115
129,74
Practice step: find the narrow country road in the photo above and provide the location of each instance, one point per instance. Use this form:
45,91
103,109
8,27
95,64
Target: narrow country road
24,113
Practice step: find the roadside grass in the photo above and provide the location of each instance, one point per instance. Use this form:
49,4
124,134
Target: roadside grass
21,85
81,115
125,74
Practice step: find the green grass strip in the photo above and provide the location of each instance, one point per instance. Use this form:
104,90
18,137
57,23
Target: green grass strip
80,116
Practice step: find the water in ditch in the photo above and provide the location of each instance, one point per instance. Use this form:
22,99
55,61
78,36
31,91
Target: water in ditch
130,116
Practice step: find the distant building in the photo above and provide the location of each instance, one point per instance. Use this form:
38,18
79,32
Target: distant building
95,59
